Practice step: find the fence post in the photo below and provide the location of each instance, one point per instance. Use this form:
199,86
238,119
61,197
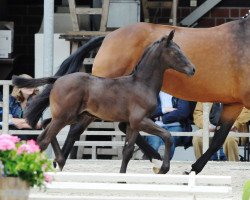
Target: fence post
205,135
5,125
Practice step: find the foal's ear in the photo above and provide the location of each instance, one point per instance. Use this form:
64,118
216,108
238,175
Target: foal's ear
170,37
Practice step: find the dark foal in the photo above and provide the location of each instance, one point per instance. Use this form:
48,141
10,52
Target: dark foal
129,99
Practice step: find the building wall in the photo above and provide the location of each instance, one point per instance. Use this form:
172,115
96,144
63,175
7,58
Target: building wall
27,16
225,11
3,13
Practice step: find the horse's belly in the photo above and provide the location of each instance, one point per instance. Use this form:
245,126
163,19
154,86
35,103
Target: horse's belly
109,116
108,111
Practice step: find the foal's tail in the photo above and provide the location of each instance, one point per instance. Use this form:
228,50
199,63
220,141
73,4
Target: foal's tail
70,65
32,82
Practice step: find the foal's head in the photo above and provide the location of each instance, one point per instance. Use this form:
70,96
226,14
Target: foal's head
173,57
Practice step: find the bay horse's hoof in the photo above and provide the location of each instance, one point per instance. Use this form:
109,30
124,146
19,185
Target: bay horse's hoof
186,172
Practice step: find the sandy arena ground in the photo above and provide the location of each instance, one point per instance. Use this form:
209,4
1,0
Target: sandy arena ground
239,171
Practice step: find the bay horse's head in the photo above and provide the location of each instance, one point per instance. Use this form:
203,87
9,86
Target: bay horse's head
173,56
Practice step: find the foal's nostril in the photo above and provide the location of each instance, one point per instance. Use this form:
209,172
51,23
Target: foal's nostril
193,70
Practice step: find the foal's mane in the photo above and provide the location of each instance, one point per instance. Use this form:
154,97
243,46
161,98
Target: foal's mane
150,47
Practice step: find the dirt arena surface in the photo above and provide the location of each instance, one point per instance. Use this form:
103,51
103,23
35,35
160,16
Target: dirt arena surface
239,171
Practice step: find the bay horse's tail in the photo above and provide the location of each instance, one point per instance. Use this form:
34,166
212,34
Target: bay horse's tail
32,82
72,64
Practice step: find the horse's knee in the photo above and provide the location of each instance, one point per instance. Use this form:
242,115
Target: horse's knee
167,138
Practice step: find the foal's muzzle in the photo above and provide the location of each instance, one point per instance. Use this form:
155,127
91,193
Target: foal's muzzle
191,71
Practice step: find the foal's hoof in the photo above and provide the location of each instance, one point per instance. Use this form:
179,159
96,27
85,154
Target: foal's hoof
156,170
157,167
164,170
161,170
59,164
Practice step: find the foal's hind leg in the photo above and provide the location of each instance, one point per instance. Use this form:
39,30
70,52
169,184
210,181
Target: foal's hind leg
50,133
59,158
75,132
148,126
128,148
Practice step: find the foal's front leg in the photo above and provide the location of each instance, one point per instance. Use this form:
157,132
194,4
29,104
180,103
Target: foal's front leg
148,126
128,148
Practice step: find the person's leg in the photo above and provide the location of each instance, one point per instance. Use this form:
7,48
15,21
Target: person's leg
197,145
231,148
222,155
214,157
154,141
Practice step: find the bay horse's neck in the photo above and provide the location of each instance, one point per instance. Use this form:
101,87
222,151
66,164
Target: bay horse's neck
150,70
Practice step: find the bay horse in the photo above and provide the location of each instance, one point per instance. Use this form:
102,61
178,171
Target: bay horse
220,54
130,99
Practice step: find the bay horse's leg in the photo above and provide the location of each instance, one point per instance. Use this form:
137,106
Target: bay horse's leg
148,126
50,133
128,148
147,149
228,116
74,134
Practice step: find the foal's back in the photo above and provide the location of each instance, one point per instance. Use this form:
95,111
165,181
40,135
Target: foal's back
108,99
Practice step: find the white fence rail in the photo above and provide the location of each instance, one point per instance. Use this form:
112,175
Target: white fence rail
134,186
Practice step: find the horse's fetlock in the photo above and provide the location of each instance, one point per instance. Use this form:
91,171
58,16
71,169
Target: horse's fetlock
164,169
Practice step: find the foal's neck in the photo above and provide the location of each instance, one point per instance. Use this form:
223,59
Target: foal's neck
150,71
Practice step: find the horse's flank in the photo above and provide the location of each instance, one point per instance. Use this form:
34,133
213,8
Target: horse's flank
217,53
